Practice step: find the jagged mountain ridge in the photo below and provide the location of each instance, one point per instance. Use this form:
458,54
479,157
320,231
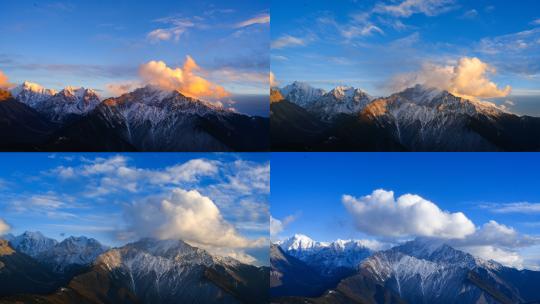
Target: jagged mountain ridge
429,271
59,257
154,271
147,119
416,119
328,258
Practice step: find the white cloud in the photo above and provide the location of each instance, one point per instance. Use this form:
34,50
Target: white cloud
353,31
277,226
287,41
189,216
467,79
494,241
64,172
4,227
409,7
380,214
505,257
519,207
115,174
177,27
247,177
259,19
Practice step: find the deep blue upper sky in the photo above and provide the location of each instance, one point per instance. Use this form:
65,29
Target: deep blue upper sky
94,43
108,196
367,43
309,187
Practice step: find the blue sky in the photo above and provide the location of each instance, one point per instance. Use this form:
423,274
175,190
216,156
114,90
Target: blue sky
307,190
381,45
119,198
97,43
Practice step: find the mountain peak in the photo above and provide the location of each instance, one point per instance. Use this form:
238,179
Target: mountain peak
301,93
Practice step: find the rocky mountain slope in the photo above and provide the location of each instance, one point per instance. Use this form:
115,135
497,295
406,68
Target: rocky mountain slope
147,119
416,119
148,271
429,271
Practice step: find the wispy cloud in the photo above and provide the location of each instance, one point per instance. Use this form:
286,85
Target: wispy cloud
288,41
407,8
177,26
259,19
517,207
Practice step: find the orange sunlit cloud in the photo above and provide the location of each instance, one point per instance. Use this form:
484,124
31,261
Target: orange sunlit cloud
183,79
4,81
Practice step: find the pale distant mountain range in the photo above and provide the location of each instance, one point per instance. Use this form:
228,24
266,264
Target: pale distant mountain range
148,119
420,118
418,271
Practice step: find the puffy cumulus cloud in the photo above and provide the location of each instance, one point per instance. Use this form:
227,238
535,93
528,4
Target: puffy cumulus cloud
4,81
189,216
259,19
505,257
277,226
407,8
273,80
468,79
182,79
4,227
380,214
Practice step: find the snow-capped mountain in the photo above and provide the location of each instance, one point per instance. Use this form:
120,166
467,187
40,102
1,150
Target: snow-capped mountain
151,119
58,256
329,258
32,243
340,100
56,106
417,119
427,271
78,251
67,103
301,93
31,94
155,271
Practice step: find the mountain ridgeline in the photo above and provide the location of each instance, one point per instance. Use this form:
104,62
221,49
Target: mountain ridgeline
420,271
303,118
37,269
147,119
